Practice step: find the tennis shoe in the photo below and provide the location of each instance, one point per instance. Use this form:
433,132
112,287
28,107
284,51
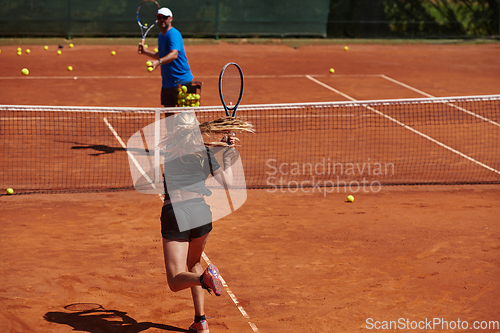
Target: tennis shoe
210,280
201,327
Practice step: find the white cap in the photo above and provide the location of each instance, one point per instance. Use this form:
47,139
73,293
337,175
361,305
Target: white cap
165,12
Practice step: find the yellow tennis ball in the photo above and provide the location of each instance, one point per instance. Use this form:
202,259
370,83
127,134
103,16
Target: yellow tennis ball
149,63
184,88
346,48
25,71
28,50
71,45
146,46
45,47
150,69
19,53
156,49
350,198
19,49
332,70
59,52
113,52
10,191
70,68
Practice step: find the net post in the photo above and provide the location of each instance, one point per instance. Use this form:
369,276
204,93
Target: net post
157,151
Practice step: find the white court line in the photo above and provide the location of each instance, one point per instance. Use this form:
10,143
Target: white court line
330,88
233,297
408,127
452,105
126,77
132,157
205,257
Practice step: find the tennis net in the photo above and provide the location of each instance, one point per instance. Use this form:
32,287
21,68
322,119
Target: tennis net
310,145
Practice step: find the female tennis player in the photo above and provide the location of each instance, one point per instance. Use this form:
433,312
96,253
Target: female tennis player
188,163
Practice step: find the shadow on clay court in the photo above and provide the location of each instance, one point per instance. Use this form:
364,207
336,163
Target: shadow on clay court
100,149
98,319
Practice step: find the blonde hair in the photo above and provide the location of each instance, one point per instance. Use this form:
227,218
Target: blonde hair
184,140
184,136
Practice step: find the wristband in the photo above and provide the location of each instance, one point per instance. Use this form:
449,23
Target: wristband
159,61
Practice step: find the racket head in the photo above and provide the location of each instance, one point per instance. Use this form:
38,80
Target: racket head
231,84
146,11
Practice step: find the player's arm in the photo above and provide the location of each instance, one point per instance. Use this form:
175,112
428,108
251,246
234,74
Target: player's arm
224,175
171,56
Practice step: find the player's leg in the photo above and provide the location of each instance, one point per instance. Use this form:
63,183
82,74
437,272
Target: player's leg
176,254
196,248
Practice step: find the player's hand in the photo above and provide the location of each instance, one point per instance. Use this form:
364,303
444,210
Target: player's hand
230,139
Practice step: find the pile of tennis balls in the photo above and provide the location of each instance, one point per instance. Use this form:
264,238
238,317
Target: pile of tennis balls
185,99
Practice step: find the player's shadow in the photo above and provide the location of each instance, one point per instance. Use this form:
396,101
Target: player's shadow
100,149
101,320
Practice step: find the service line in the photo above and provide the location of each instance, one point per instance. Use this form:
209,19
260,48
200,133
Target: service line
411,128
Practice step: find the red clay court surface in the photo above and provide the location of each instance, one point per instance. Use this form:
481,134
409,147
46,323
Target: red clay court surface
295,262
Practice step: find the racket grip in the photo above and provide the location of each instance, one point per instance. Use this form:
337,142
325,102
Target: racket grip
229,135
141,46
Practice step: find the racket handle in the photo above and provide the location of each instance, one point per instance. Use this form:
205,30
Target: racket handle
229,135
141,46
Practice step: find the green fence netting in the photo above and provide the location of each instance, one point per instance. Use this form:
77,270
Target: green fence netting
258,18
193,18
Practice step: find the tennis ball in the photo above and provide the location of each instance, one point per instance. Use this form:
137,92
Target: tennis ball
145,24
113,52
350,198
346,48
19,49
25,71
184,88
149,63
45,47
71,45
10,191
59,52
19,53
70,68
146,46
156,49
28,50
332,70
150,69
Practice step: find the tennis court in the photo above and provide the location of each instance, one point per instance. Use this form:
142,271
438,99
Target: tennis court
294,259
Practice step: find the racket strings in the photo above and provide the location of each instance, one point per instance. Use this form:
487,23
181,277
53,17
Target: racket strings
231,86
146,13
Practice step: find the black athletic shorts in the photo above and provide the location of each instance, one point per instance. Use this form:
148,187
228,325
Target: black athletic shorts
191,210
169,97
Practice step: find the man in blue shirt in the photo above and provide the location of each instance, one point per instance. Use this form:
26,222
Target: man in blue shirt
171,56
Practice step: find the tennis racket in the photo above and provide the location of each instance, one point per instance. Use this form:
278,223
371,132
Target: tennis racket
231,87
146,11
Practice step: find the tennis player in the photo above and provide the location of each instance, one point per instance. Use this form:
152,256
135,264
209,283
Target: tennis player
188,163
171,56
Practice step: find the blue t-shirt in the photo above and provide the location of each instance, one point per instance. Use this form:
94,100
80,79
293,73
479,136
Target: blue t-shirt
177,71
